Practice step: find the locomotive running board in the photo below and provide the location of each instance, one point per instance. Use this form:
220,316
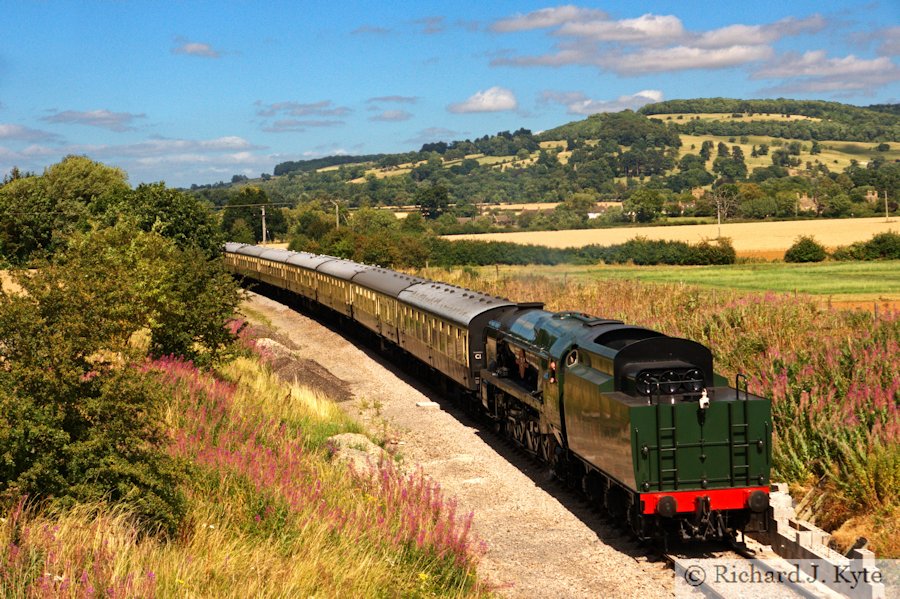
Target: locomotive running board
511,388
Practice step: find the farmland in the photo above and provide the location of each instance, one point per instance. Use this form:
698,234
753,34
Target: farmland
758,239
843,282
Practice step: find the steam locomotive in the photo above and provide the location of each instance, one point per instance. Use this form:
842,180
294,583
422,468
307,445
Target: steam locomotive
637,419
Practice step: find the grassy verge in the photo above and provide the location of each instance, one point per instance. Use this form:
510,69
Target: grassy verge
270,513
833,376
858,281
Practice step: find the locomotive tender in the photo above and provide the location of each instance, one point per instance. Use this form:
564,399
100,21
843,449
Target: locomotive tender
637,419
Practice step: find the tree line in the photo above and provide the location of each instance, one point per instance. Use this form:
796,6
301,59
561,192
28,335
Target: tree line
836,121
626,158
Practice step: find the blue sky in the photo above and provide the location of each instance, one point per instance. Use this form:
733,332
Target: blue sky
195,92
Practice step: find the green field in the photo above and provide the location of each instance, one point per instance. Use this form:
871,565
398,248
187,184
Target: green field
841,281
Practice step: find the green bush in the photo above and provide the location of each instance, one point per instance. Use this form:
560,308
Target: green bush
883,246
805,249
79,422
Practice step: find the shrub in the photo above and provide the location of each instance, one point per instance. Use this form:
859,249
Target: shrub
883,246
720,253
805,249
78,423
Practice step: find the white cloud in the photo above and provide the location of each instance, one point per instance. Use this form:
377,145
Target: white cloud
647,60
646,28
814,72
298,125
546,17
573,55
817,64
321,108
680,58
649,43
195,49
395,99
159,147
890,41
20,133
392,116
579,103
754,35
104,119
494,99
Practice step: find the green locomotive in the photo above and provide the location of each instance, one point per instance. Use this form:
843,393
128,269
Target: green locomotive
638,419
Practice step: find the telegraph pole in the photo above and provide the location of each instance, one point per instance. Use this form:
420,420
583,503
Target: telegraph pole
337,215
263,209
887,217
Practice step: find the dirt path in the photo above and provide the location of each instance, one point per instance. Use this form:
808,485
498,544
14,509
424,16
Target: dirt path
542,541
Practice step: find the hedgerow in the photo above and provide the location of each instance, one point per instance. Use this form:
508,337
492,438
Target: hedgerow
883,246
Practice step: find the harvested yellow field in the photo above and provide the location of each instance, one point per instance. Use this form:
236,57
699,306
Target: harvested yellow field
762,239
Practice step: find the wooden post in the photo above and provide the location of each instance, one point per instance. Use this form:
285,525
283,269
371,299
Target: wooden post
263,209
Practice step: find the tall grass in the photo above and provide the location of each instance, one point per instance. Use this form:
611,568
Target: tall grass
833,377
271,515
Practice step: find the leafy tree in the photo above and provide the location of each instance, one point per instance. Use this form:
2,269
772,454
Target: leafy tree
27,220
68,384
645,204
367,221
691,161
432,200
14,175
432,169
413,223
805,249
174,215
313,222
754,202
79,181
730,168
548,159
38,215
180,296
241,232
